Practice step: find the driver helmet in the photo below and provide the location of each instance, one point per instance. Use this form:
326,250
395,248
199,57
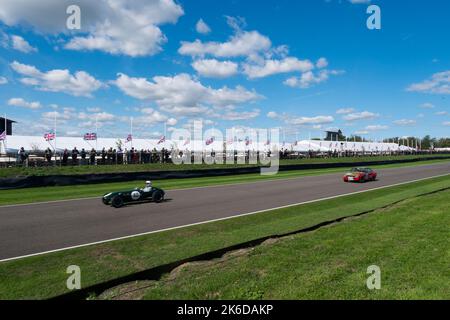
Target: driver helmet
148,183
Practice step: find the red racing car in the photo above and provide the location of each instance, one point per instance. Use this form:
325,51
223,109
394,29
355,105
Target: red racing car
360,175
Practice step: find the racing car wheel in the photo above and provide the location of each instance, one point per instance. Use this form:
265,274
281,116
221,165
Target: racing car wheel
117,202
158,197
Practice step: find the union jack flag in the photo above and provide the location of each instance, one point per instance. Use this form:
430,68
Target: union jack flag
209,141
3,136
90,136
49,136
248,141
162,140
129,138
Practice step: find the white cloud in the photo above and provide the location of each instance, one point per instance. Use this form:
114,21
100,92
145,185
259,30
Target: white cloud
3,80
116,26
272,115
20,44
190,122
242,115
376,127
15,42
446,123
80,83
183,95
171,122
151,116
19,102
270,67
360,116
94,109
427,105
439,83
202,27
90,120
345,110
405,122
441,113
226,97
261,59
295,120
309,79
236,23
66,114
242,44
4,39
103,116
309,120
213,68
322,63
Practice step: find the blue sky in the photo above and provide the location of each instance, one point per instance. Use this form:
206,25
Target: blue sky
305,66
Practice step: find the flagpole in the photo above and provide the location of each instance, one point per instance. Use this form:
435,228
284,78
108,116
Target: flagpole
131,131
6,134
96,132
165,130
55,137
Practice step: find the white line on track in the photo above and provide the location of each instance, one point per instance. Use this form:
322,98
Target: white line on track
220,219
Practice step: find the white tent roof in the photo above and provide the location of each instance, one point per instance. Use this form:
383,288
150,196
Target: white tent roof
14,143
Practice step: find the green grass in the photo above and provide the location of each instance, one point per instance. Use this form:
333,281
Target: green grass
44,276
408,241
8,197
69,170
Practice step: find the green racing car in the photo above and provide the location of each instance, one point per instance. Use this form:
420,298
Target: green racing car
149,193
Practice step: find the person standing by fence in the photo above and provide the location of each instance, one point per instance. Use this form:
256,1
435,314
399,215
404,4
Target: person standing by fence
48,155
92,156
65,157
75,154
83,156
23,156
126,156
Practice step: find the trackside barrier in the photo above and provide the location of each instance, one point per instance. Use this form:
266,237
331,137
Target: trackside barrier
67,180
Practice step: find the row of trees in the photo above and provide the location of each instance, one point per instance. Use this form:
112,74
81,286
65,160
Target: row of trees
425,143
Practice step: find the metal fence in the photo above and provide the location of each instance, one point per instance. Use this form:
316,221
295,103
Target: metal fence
111,157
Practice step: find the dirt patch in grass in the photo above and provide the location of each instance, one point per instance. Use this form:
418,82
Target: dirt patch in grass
135,290
128,291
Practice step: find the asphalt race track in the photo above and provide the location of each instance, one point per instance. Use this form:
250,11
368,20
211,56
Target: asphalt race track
36,228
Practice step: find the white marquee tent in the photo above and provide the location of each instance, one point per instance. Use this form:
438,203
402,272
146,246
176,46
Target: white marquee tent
14,143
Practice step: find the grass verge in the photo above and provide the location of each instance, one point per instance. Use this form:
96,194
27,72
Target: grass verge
70,170
32,195
408,241
45,276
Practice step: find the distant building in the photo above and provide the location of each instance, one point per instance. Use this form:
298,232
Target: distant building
333,135
8,123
